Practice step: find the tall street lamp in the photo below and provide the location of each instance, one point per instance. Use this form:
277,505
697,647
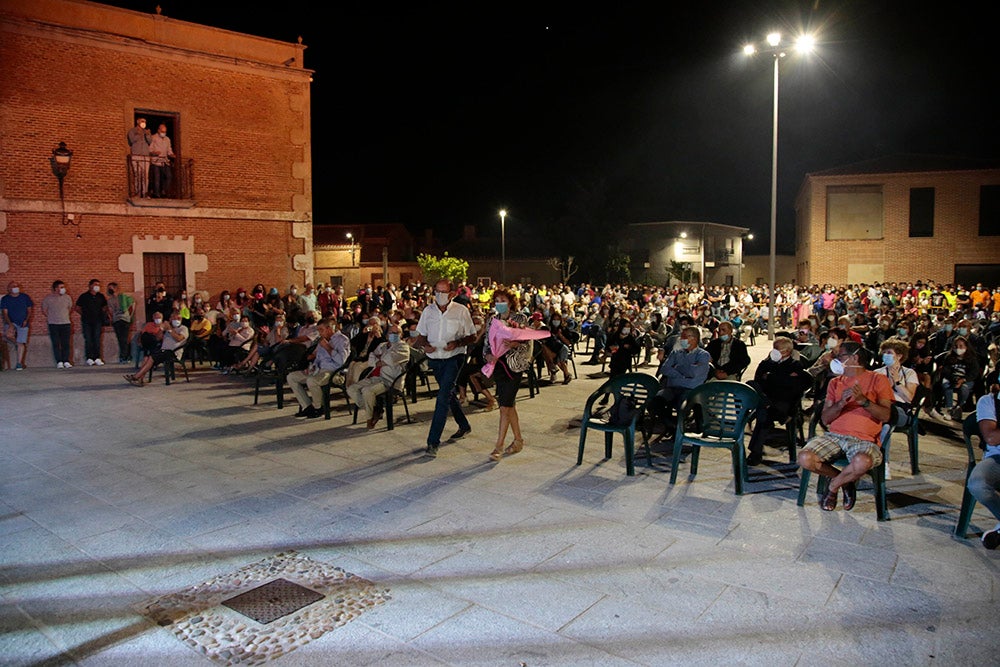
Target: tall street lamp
803,44
503,247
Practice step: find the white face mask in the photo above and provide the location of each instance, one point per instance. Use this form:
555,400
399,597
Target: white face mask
626,331
831,343
441,298
157,320
236,317
62,290
95,289
775,355
175,323
15,290
959,351
837,367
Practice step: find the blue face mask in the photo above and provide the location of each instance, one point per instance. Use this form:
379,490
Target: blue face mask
724,337
393,337
948,328
682,344
963,331
903,332
501,307
888,359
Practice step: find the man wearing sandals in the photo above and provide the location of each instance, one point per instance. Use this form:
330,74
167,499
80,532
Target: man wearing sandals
857,403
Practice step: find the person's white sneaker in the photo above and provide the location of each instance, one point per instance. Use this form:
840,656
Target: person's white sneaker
945,416
90,362
66,364
934,413
59,365
98,362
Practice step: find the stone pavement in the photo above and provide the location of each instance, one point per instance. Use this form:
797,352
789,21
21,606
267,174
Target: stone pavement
131,517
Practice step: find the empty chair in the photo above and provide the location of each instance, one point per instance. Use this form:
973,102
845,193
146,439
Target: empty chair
721,409
631,392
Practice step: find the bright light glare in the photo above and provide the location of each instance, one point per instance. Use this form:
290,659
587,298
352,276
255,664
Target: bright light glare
749,49
349,235
750,237
774,38
805,43
684,235
503,213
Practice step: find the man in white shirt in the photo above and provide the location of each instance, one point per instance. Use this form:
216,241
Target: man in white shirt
443,332
984,482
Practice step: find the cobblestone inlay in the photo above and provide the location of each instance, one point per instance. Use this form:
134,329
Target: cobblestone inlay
273,600
197,616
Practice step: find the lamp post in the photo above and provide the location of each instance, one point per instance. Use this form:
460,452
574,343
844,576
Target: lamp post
503,247
350,237
803,44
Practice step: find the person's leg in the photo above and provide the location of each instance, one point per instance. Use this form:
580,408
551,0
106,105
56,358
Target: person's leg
445,372
168,177
984,484
315,385
515,426
56,341
370,395
354,394
296,382
756,446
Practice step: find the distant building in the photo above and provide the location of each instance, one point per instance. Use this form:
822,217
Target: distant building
711,252
237,109
353,255
900,218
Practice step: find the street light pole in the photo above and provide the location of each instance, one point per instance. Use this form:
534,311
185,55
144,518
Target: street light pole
503,247
803,44
774,201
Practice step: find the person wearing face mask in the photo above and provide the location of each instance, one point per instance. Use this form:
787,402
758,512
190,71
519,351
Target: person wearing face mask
159,302
686,367
362,345
729,354
172,336
92,307
894,353
57,307
957,372
15,311
161,172
857,403
781,381
984,482
623,344
444,331
138,139
387,362
122,307
236,341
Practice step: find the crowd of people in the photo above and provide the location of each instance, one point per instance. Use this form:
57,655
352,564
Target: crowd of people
872,357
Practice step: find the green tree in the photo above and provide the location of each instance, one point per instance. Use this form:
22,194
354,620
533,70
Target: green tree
681,271
617,266
446,267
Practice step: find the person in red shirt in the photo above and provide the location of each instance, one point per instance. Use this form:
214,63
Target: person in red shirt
857,404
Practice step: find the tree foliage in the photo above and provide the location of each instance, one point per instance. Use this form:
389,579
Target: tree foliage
617,266
564,267
446,267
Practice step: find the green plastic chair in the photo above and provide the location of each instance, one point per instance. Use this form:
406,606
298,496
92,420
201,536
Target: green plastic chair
912,431
725,408
970,429
877,474
640,387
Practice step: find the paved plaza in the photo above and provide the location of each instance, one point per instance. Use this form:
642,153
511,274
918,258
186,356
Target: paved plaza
138,523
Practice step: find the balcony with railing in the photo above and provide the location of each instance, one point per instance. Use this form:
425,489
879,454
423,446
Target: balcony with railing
179,192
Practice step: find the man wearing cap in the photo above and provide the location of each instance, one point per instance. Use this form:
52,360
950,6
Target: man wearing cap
443,332
857,404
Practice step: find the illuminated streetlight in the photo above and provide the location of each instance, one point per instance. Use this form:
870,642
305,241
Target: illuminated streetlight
803,44
503,247
350,237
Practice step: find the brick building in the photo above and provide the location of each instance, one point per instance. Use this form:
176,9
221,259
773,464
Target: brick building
900,218
237,109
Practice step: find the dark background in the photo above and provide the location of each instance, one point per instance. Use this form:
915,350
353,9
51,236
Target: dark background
582,117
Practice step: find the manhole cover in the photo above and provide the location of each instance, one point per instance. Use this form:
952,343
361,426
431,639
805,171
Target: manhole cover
272,600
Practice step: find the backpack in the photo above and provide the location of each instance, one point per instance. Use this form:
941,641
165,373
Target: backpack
624,410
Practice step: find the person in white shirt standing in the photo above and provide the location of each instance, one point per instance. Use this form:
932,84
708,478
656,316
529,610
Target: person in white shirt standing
443,332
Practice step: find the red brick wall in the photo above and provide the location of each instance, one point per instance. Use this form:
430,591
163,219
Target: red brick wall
235,125
956,237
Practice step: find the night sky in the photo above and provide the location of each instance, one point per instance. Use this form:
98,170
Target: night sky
581,116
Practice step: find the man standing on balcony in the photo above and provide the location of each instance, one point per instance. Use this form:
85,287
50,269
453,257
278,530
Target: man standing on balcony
138,140
161,152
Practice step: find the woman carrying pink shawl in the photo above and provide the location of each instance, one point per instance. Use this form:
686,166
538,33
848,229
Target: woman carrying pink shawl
508,354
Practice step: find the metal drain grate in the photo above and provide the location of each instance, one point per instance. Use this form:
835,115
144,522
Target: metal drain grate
273,600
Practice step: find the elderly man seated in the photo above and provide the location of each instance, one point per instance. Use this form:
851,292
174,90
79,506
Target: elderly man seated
685,368
781,381
729,354
857,403
331,352
171,337
387,361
